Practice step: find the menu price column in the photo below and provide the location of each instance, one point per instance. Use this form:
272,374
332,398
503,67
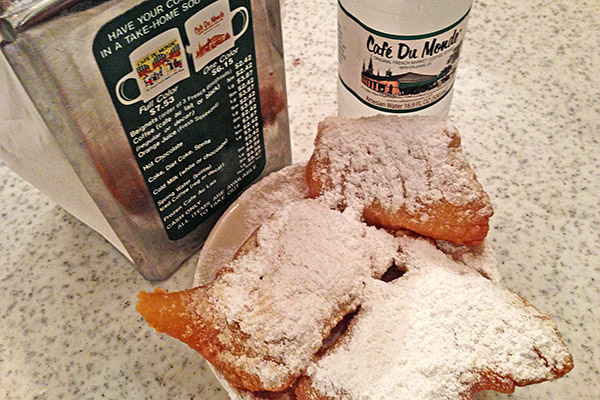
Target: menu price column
245,112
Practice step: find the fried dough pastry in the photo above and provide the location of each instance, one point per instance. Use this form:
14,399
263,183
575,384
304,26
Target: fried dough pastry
267,312
400,173
318,305
308,310
441,331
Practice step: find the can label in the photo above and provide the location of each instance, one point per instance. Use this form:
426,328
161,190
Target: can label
182,77
395,73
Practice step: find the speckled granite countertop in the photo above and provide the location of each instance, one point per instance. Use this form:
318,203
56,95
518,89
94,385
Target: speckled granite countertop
527,105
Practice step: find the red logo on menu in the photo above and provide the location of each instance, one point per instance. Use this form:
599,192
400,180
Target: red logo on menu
208,24
212,43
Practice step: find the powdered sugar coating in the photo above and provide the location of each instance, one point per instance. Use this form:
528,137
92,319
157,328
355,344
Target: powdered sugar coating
292,289
409,162
272,193
431,333
247,213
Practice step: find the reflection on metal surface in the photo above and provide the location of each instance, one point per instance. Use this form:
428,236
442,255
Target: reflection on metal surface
54,60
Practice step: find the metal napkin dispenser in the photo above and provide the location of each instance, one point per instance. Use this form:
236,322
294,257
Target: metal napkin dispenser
155,115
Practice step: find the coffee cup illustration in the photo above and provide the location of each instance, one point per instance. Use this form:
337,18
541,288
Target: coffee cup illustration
210,31
157,65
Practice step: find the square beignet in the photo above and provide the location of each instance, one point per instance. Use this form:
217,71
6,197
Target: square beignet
441,331
400,173
268,311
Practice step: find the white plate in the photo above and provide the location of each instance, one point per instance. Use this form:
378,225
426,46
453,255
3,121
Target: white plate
251,209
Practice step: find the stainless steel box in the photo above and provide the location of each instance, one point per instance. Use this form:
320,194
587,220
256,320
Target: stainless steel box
165,110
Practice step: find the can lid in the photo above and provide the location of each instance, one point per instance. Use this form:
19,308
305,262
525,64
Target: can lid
18,15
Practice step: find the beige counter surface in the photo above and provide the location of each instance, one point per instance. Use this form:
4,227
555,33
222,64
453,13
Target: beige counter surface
527,106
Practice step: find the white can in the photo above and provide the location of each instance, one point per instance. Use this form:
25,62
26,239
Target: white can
399,56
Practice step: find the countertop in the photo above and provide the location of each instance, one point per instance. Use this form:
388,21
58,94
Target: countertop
527,103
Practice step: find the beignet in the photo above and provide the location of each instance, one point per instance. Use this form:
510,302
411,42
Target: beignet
441,331
400,173
268,311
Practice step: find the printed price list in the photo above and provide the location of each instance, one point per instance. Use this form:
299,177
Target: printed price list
181,155
192,119
245,112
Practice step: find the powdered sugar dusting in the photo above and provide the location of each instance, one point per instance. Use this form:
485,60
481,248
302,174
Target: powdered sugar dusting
431,333
272,193
253,207
288,293
407,162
